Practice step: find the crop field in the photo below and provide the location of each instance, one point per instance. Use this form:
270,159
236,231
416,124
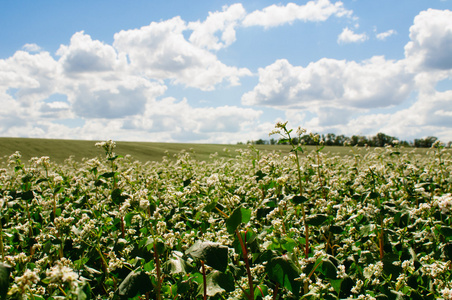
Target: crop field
60,150
247,223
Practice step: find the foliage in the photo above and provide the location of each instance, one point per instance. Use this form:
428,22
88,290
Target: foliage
373,224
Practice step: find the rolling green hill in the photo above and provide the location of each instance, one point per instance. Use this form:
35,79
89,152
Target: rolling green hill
59,150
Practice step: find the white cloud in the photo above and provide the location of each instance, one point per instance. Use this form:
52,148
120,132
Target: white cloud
31,48
205,33
431,40
313,11
336,83
178,120
160,51
429,116
384,35
348,36
33,75
84,55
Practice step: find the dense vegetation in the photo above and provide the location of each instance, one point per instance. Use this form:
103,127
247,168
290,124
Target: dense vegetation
378,140
375,224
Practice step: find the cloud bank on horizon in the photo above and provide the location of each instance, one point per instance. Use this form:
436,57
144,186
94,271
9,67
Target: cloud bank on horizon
177,80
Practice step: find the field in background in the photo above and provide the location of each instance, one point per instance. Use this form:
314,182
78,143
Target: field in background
59,150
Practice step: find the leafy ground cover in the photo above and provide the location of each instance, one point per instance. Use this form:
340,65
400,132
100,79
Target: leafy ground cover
375,224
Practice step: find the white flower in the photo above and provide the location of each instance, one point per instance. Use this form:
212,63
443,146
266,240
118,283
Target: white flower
63,274
447,294
444,202
213,179
341,271
27,280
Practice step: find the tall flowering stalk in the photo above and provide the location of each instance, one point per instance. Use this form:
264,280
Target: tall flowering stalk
281,129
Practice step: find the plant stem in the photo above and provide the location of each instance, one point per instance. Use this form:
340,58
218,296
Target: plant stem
381,240
303,212
123,234
30,226
247,265
275,291
204,280
157,263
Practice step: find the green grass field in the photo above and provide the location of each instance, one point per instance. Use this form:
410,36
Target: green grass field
60,150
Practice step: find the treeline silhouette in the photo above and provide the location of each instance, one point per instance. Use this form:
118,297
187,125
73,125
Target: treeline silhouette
378,140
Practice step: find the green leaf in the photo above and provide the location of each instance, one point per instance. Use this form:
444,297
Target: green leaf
299,199
4,280
238,216
28,195
260,175
284,271
117,197
115,157
288,244
373,195
136,282
270,203
283,141
261,291
217,283
316,220
176,264
328,269
187,182
336,284
213,254
335,229
108,174
209,207
446,231
84,292
183,287
128,218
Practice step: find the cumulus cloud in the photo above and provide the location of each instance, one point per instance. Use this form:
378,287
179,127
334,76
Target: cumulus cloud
32,75
384,35
107,104
161,51
328,82
84,55
348,36
170,120
430,115
276,15
431,40
222,23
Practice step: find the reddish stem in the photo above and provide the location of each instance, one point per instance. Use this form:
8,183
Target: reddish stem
123,233
157,263
275,291
247,264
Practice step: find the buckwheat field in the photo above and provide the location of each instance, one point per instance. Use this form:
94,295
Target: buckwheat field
374,224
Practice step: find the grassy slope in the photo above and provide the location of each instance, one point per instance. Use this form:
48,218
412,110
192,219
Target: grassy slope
59,150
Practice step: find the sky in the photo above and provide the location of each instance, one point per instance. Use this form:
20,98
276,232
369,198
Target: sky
224,71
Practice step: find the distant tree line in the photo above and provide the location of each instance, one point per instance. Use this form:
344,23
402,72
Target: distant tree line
378,140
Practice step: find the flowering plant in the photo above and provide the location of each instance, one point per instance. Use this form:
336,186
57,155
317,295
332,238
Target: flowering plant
301,225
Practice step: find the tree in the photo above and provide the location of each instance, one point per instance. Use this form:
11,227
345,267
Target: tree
425,143
381,140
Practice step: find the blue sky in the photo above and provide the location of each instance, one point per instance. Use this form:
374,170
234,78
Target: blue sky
224,71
